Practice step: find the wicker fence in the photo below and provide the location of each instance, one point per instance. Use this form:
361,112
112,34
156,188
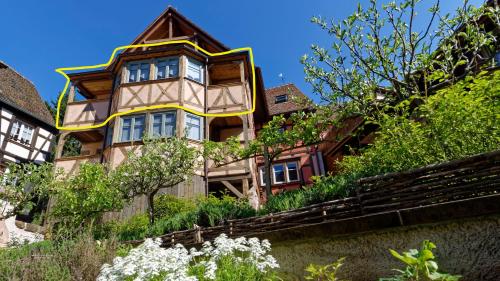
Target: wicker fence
473,177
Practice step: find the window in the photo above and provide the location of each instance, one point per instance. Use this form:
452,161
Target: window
193,126
195,70
166,68
281,173
132,128
109,136
497,59
163,124
281,99
292,172
262,174
118,80
138,71
21,132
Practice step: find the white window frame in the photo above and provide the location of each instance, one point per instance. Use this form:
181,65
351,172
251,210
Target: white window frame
200,66
186,126
139,71
167,67
286,171
24,132
132,127
163,122
274,173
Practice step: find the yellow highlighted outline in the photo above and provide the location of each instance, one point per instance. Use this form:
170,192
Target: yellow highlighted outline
61,71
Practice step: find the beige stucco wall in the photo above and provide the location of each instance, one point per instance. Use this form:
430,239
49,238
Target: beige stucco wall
468,247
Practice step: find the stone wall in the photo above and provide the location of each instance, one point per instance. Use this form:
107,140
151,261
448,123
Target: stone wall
470,247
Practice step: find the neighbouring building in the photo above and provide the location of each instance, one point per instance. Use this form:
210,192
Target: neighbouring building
27,132
293,168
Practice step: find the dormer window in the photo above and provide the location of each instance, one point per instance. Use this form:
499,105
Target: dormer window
167,68
138,71
281,99
194,70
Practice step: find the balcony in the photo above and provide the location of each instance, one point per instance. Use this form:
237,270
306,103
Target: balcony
233,169
85,113
232,97
70,165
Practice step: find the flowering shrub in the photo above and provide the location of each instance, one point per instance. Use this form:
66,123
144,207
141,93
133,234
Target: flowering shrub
225,259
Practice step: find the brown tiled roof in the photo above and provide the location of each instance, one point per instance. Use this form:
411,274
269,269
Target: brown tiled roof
293,94
19,92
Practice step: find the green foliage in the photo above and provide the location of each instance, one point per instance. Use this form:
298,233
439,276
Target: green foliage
83,198
213,211
136,227
420,265
327,272
230,269
379,57
167,205
24,185
162,163
175,214
79,259
456,122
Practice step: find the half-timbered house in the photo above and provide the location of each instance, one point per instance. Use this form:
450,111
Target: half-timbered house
27,134
175,74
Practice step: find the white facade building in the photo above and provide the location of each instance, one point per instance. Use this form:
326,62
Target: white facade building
27,134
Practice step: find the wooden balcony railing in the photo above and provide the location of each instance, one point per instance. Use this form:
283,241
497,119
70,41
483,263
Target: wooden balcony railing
87,112
230,97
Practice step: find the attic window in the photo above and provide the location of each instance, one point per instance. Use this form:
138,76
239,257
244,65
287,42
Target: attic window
281,99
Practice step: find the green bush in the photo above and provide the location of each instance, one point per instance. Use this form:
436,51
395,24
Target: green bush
136,227
167,205
456,122
179,221
78,259
213,211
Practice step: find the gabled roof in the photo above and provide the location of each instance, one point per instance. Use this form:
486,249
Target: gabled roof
18,92
293,94
181,26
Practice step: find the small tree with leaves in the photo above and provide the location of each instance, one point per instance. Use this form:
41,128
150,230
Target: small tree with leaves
379,56
23,185
81,200
162,163
280,134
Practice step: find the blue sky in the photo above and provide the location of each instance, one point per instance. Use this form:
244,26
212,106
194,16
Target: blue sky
38,36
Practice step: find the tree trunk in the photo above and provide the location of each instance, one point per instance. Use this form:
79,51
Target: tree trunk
151,207
267,173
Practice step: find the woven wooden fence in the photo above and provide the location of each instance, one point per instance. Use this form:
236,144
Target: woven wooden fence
473,177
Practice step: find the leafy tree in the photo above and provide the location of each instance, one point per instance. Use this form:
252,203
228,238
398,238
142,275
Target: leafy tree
163,163
380,56
277,136
82,199
23,185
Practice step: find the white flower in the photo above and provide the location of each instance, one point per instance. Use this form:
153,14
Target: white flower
149,259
